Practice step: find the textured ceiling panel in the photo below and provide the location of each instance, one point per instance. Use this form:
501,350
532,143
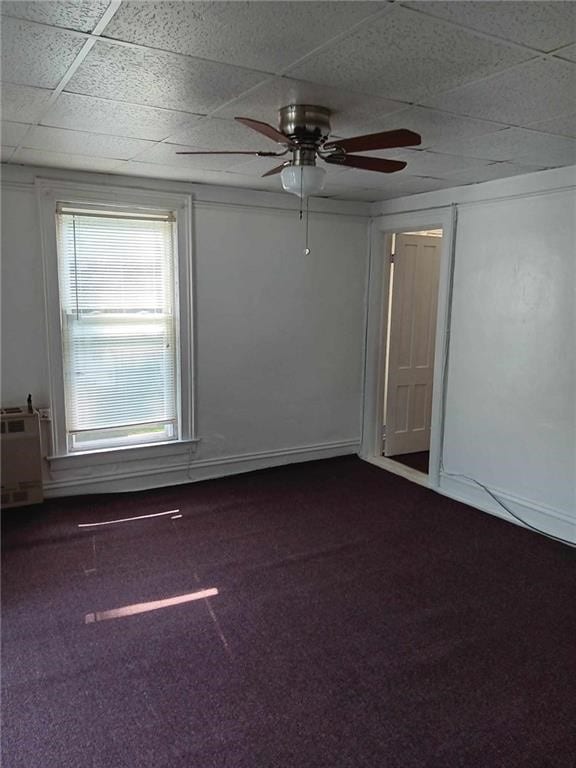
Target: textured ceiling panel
350,111
535,91
155,171
165,154
394,185
490,173
562,126
33,54
437,129
544,26
569,52
78,143
485,108
86,113
279,33
197,175
12,133
22,103
82,15
65,160
159,79
422,163
367,195
520,146
6,153
405,55
216,133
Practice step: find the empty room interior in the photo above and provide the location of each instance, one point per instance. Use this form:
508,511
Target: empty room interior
288,398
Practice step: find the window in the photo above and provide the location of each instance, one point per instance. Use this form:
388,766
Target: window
117,267
118,315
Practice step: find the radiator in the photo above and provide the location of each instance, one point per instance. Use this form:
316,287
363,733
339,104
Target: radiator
21,457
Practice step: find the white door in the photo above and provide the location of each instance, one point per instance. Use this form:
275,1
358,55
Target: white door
411,345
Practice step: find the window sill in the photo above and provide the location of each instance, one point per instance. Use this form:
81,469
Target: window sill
103,457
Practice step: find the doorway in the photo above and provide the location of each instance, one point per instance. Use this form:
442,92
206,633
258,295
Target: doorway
384,230
412,303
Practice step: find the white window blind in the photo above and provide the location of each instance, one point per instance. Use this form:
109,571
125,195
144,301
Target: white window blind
118,314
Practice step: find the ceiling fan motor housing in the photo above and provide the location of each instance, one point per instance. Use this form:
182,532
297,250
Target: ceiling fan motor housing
307,126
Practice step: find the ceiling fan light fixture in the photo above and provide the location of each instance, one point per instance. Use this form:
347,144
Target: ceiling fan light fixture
303,180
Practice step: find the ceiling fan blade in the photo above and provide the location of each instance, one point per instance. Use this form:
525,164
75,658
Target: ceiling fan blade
264,129
233,152
372,141
367,163
277,169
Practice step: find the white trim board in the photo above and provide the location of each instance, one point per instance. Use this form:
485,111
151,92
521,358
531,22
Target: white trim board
549,521
49,192
377,318
189,471
396,468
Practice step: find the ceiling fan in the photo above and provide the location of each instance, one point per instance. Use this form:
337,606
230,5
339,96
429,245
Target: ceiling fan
303,131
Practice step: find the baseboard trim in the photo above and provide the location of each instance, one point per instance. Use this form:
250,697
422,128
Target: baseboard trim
194,470
396,468
547,520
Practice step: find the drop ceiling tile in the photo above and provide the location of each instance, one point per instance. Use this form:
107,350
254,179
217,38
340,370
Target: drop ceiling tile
82,15
217,133
195,175
491,172
87,113
438,129
350,111
560,126
366,195
541,25
425,185
81,143
522,146
154,78
65,160
12,133
385,186
22,103
406,56
536,90
160,171
257,166
6,153
33,54
270,183
266,36
424,163
568,53
165,154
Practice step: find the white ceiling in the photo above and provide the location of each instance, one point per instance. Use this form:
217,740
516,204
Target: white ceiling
120,86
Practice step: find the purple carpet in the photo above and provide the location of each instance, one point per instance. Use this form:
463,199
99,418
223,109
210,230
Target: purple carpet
419,460
360,620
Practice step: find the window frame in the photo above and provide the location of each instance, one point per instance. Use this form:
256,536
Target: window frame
51,193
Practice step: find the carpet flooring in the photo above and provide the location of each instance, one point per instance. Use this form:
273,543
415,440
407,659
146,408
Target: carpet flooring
418,460
360,621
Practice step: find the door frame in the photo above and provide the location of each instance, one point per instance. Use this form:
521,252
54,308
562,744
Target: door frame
377,298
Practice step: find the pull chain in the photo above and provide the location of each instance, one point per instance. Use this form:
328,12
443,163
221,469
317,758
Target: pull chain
306,248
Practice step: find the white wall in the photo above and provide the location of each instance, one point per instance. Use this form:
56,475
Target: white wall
510,417
511,383
279,335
